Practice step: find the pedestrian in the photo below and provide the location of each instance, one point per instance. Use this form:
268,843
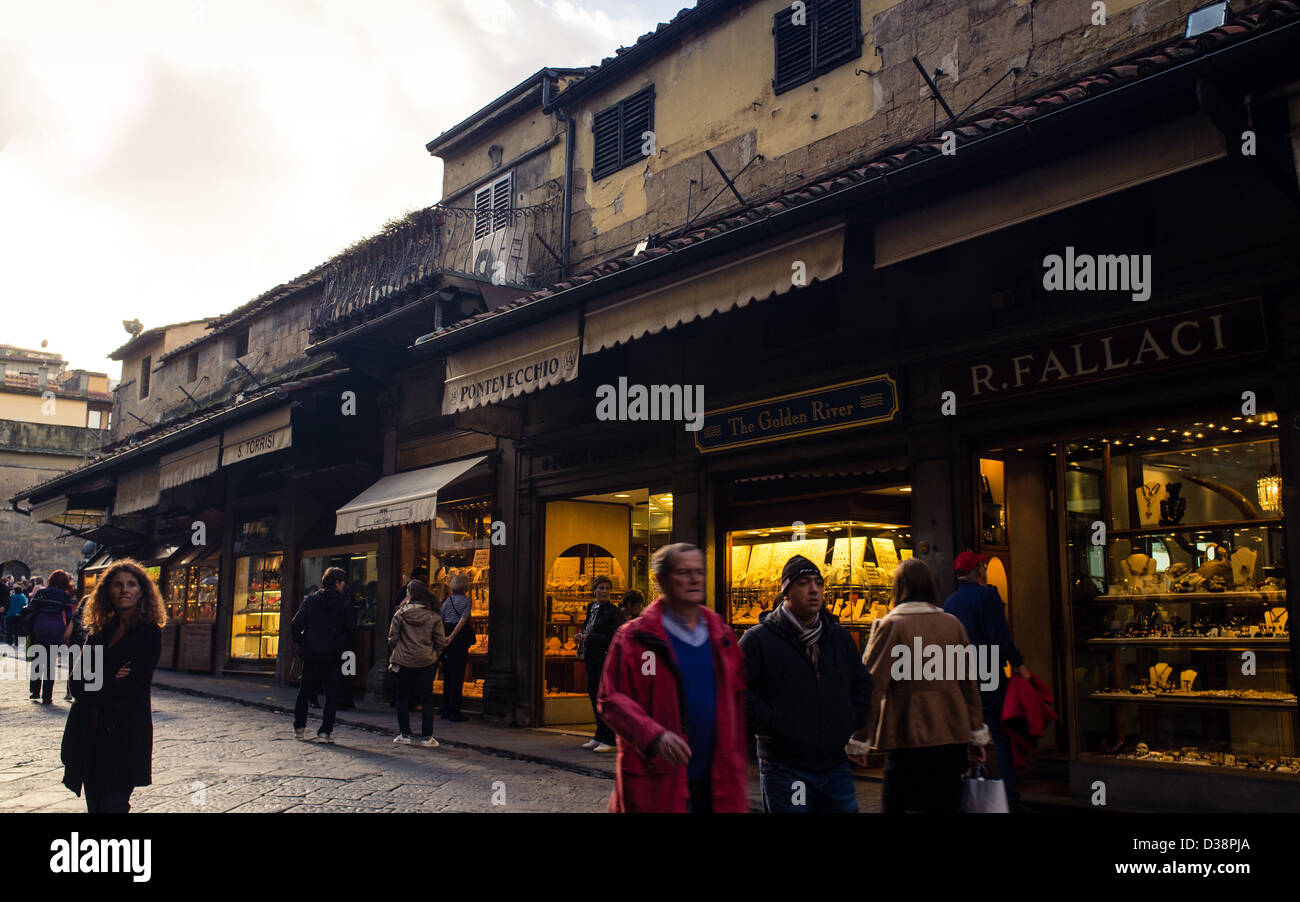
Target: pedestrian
17,604
932,726
322,629
108,739
602,621
51,628
673,691
633,604
78,638
460,636
415,638
979,608
807,692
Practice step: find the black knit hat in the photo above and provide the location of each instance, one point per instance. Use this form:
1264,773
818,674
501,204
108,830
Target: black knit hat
795,568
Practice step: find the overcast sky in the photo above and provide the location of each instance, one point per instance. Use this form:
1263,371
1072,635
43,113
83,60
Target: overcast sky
173,159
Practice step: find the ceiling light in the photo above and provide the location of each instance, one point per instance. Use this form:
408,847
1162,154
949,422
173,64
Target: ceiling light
622,495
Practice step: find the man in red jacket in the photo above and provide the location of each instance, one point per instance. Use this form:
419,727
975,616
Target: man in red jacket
673,692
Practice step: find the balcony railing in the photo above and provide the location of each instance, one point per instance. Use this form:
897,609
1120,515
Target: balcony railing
515,247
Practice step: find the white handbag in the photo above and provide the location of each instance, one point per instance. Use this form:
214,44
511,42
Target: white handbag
981,795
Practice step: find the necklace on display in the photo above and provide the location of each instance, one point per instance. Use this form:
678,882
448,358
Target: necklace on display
1149,493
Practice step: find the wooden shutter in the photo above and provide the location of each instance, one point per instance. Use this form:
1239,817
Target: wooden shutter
482,211
607,153
794,48
501,203
837,34
638,118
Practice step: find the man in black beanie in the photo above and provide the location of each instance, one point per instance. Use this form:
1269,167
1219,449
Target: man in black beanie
807,693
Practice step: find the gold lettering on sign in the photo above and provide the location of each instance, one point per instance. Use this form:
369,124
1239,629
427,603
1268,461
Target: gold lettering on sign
1177,344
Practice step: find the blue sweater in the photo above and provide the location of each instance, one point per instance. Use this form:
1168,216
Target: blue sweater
980,610
696,666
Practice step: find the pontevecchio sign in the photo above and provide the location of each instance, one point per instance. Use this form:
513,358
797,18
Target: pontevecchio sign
1196,336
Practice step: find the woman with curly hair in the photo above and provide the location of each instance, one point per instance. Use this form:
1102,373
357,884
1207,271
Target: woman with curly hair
108,740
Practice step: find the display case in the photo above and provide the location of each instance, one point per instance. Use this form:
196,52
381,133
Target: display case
1177,569
255,621
856,557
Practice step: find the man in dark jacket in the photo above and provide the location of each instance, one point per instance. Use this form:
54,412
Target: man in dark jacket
322,627
52,625
979,608
807,693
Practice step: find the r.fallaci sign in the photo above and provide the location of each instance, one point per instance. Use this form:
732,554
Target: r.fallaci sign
1196,336
828,409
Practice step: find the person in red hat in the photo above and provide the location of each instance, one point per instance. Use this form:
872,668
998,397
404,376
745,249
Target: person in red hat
980,609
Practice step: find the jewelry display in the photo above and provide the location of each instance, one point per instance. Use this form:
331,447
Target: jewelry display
1162,675
1243,567
1149,497
1187,680
1173,506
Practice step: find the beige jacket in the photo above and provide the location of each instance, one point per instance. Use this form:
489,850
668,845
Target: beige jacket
917,713
415,636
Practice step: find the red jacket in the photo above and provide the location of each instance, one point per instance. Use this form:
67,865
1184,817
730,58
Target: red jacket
641,697
1025,714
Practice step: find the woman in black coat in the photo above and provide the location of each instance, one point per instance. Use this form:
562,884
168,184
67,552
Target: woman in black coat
108,740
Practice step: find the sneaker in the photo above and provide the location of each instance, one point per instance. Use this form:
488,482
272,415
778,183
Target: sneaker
402,739
590,744
299,732
325,737
429,742
603,747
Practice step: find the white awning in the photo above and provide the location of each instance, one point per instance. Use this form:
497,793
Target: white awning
410,497
513,364
1117,165
137,490
49,511
685,297
190,463
55,512
260,435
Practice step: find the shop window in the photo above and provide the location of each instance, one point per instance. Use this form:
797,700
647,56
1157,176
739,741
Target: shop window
255,623
613,534
825,34
1176,559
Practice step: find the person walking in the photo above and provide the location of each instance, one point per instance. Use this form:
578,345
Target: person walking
415,638
51,619
931,727
979,608
17,604
107,745
322,629
603,620
460,636
673,691
807,693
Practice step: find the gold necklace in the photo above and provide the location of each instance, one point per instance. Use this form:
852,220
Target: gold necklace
1149,493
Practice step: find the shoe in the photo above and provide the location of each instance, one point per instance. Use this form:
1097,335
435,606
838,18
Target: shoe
429,742
325,737
604,747
299,732
47,701
402,739
590,744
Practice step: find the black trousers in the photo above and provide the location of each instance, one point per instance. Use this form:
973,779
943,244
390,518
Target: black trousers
107,798
325,673
42,682
454,660
927,779
594,667
701,796
415,682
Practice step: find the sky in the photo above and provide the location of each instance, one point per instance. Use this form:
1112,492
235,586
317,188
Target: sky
173,159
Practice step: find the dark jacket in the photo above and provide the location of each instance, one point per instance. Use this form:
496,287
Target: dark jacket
608,619
109,734
53,609
980,610
323,626
803,719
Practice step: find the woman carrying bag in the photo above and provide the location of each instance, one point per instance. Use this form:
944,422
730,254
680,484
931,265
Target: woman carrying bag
415,638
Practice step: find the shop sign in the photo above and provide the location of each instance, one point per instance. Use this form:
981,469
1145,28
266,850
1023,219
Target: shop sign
847,405
1199,336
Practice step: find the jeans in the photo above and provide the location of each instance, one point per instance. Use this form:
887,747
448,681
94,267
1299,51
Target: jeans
992,702
924,779
594,667
454,660
330,675
107,798
821,791
417,681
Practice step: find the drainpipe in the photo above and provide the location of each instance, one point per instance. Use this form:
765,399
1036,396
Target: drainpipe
567,201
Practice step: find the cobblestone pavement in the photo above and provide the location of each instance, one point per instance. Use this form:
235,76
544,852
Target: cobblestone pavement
216,756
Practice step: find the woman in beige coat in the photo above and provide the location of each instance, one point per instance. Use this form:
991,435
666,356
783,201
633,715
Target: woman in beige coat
925,712
415,638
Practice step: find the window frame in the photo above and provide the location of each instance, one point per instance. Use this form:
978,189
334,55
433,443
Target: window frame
624,157
235,341
144,383
816,67
493,218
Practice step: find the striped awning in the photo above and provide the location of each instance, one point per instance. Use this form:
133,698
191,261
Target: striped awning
137,490
189,464
410,497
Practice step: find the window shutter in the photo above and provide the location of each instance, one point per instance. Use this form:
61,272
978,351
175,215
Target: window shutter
501,204
638,118
794,48
607,151
482,211
837,32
